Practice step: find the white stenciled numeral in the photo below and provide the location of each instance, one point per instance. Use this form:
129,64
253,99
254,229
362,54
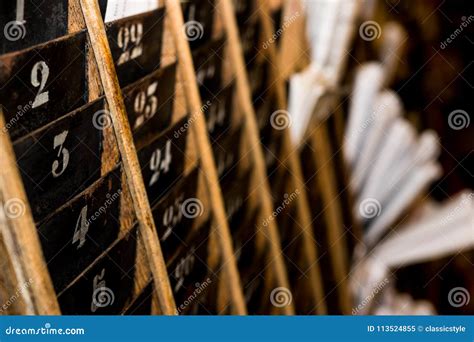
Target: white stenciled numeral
224,161
184,267
145,105
208,72
129,40
160,162
20,10
59,143
216,116
172,216
192,12
39,76
97,283
82,226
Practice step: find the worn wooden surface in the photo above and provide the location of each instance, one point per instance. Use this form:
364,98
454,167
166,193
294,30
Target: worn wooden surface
228,17
20,237
96,31
289,153
205,152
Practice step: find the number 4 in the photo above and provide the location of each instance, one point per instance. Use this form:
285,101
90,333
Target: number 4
82,226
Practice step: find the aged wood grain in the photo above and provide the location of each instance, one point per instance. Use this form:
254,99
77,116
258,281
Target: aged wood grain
202,141
96,31
20,237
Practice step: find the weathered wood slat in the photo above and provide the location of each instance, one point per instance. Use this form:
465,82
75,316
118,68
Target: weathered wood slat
226,10
97,35
290,154
205,151
20,236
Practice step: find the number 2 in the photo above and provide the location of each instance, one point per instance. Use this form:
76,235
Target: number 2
42,97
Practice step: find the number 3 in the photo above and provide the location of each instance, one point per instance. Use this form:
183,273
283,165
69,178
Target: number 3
58,142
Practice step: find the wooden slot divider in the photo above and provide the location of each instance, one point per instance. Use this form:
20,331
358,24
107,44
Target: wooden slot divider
96,31
20,234
332,213
252,134
21,240
290,153
207,160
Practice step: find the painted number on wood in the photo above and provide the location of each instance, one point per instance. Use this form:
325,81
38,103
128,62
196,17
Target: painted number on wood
82,226
129,39
183,269
98,283
216,116
39,76
145,105
160,162
62,151
172,216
